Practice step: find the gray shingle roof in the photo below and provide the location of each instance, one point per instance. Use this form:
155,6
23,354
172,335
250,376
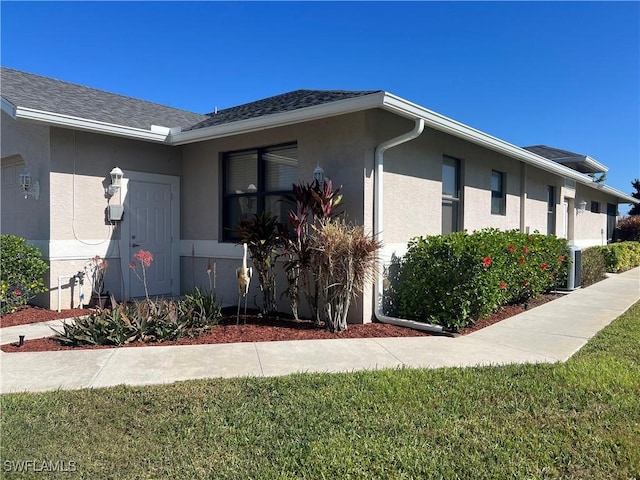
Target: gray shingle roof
42,93
285,102
552,153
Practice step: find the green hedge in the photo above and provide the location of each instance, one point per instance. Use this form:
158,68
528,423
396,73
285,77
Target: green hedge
594,265
455,279
622,256
612,258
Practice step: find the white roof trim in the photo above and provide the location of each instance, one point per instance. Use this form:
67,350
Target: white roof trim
79,123
588,162
595,165
452,127
383,100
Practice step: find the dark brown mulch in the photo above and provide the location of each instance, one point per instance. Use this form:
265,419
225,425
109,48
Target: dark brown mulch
31,314
255,330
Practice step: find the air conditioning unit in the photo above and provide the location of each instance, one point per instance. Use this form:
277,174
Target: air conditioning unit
574,276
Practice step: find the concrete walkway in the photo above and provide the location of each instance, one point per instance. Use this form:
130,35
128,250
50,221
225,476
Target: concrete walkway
549,333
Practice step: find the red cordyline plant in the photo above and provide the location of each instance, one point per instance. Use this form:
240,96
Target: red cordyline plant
145,258
311,204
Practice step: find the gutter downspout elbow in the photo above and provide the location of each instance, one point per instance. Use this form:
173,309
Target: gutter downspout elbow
378,218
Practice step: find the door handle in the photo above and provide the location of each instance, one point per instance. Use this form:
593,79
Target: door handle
134,245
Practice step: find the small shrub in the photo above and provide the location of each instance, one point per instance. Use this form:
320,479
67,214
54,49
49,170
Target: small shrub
200,310
622,256
22,269
594,266
628,229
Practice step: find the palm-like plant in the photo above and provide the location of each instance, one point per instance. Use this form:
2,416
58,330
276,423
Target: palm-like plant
310,205
263,237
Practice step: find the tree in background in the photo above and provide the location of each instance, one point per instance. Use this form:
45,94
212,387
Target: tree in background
635,209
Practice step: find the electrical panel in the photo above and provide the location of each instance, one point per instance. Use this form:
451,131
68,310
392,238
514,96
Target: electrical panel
115,213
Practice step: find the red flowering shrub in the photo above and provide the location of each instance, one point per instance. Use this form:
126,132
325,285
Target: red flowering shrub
455,279
628,229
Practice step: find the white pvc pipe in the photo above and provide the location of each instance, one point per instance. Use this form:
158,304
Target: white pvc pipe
378,218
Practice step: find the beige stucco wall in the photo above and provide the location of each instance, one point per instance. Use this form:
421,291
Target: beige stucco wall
337,144
24,144
80,166
71,211
413,188
591,228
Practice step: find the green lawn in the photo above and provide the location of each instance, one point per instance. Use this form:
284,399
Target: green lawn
575,420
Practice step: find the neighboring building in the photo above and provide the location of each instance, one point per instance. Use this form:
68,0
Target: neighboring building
187,178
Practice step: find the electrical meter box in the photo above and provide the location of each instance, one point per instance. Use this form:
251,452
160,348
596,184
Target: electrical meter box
115,213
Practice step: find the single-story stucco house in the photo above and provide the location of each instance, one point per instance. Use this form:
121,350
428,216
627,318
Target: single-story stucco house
187,178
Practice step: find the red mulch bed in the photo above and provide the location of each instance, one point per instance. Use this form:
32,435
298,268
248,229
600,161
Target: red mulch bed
255,329
31,314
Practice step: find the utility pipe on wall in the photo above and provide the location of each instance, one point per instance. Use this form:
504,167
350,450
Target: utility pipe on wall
378,223
75,281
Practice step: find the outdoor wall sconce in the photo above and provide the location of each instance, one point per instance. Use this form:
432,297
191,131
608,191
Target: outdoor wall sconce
30,186
250,201
582,206
116,181
318,175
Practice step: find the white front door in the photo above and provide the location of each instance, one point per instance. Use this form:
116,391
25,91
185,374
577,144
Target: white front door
150,225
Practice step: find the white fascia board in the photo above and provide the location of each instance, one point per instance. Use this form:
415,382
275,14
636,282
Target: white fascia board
316,112
8,107
78,123
587,161
595,165
452,127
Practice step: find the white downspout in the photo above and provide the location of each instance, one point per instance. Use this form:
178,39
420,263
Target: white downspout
378,218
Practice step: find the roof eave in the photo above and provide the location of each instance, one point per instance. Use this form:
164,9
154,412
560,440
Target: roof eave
315,112
591,164
8,107
452,127
78,123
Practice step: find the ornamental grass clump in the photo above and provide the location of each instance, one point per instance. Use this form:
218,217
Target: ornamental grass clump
455,279
345,259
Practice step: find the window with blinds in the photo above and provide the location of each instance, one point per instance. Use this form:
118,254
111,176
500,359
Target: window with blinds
451,208
256,181
498,194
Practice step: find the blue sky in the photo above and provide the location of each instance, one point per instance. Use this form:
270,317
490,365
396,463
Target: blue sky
561,74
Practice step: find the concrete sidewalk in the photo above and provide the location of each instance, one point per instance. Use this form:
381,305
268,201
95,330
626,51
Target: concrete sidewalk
549,333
